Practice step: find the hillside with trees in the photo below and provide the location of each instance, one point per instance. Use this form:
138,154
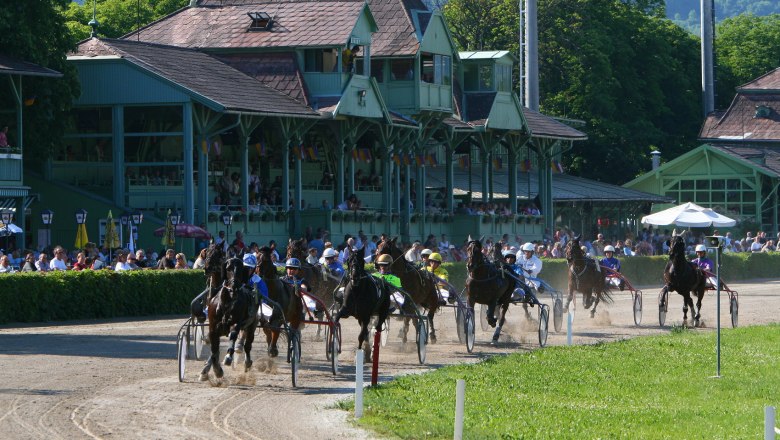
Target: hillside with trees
685,13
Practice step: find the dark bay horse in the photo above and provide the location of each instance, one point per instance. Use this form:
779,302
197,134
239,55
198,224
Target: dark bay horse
364,296
585,277
321,283
215,258
683,277
487,284
284,295
419,284
232,309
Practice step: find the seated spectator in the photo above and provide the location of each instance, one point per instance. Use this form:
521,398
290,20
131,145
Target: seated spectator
121,262
140,259
58,262
81,262
132,261
29,263
168,260
769,246
353,204
200,262
5,265
181,262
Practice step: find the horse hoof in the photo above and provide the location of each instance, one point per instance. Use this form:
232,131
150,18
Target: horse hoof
494,342
273,352
247,366
492,322
204,377
228,360
593,313
433,338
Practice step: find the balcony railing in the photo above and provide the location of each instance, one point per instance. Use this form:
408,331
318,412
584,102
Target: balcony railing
10,166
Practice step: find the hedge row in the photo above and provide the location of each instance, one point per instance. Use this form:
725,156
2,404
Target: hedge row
32,297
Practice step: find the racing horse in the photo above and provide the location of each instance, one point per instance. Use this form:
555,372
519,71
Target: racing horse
683,277
215,257
419,284
232,309
585,277
487,284
364,296
322,284
290,303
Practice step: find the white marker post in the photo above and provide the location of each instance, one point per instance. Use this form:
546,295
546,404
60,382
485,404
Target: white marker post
769,423
460,402
358,383
569,319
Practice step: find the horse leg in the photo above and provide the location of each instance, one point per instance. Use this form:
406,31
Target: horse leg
232,337
501,320
432,333
404,330
699,297
214,338
271,336
596,300
491,313
569,299
250,338
686,300
363,340
204,373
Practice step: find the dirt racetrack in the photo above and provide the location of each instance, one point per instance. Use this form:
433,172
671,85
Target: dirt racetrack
118,379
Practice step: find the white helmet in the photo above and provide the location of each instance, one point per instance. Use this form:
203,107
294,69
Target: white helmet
329,252
508,253
609,248
426,252
528,247
701,248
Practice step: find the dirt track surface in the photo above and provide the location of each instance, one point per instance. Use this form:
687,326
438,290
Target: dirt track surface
118,379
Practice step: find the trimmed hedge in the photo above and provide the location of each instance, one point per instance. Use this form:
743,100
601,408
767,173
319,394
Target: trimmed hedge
57,296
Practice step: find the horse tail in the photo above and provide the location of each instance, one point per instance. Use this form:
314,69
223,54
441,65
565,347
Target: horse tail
606,296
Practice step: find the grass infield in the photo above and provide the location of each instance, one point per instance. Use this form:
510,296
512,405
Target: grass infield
658,387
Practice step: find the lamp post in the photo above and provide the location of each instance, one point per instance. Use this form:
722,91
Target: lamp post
81,216
124,219
7,217
47,217
227,219
175,219
136,218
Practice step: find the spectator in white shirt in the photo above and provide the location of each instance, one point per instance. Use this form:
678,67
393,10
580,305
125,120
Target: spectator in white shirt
444,243
58,262
121,262
413,254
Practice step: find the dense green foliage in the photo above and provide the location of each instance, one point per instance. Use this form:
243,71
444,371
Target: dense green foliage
685,13
117,17
648,388
56,296
631,75
746,47
35,31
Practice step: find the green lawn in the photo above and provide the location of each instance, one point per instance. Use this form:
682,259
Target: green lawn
644,388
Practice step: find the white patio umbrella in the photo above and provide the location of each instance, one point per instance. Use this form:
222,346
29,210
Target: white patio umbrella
11,228
689,215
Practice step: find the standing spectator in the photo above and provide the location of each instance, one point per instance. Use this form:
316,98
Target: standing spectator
238,243
81,262
58,262
29,263
430,242
274,254
444,244
167,261
4,137
756,245
181,262
347,251
312,257
317,243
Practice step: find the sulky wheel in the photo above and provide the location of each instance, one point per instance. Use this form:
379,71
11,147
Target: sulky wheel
181,354
544,316
638,307
469,328
333,346
558,314
422,339
199,341
294,355
460,323
734,310
663,307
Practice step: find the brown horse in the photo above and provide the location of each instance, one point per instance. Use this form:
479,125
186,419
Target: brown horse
282,294
232,310
213,269
321,283
487,284
683,277
419,284
364,296
585,277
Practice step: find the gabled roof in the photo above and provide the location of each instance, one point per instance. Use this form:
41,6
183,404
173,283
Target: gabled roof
397,36
210,81
770,81
543,126
14,66
739,122
224,25
278,70
565,188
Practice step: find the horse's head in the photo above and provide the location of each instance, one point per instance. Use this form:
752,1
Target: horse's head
573,250
676,245
389,247
265,263
297,248
495,251
213,267
356,264
474,254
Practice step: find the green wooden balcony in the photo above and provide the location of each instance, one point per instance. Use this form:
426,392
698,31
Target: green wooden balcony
10,167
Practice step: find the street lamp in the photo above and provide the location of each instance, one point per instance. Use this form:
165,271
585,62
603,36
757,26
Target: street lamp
7,217
47,217
175,218
135,218
81,216
227,219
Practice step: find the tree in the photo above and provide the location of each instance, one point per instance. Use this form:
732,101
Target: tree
35,31
118,17
746,47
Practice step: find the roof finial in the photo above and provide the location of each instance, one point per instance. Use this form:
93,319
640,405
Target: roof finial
94,23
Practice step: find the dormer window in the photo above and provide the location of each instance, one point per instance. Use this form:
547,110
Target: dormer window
260,21
762,111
